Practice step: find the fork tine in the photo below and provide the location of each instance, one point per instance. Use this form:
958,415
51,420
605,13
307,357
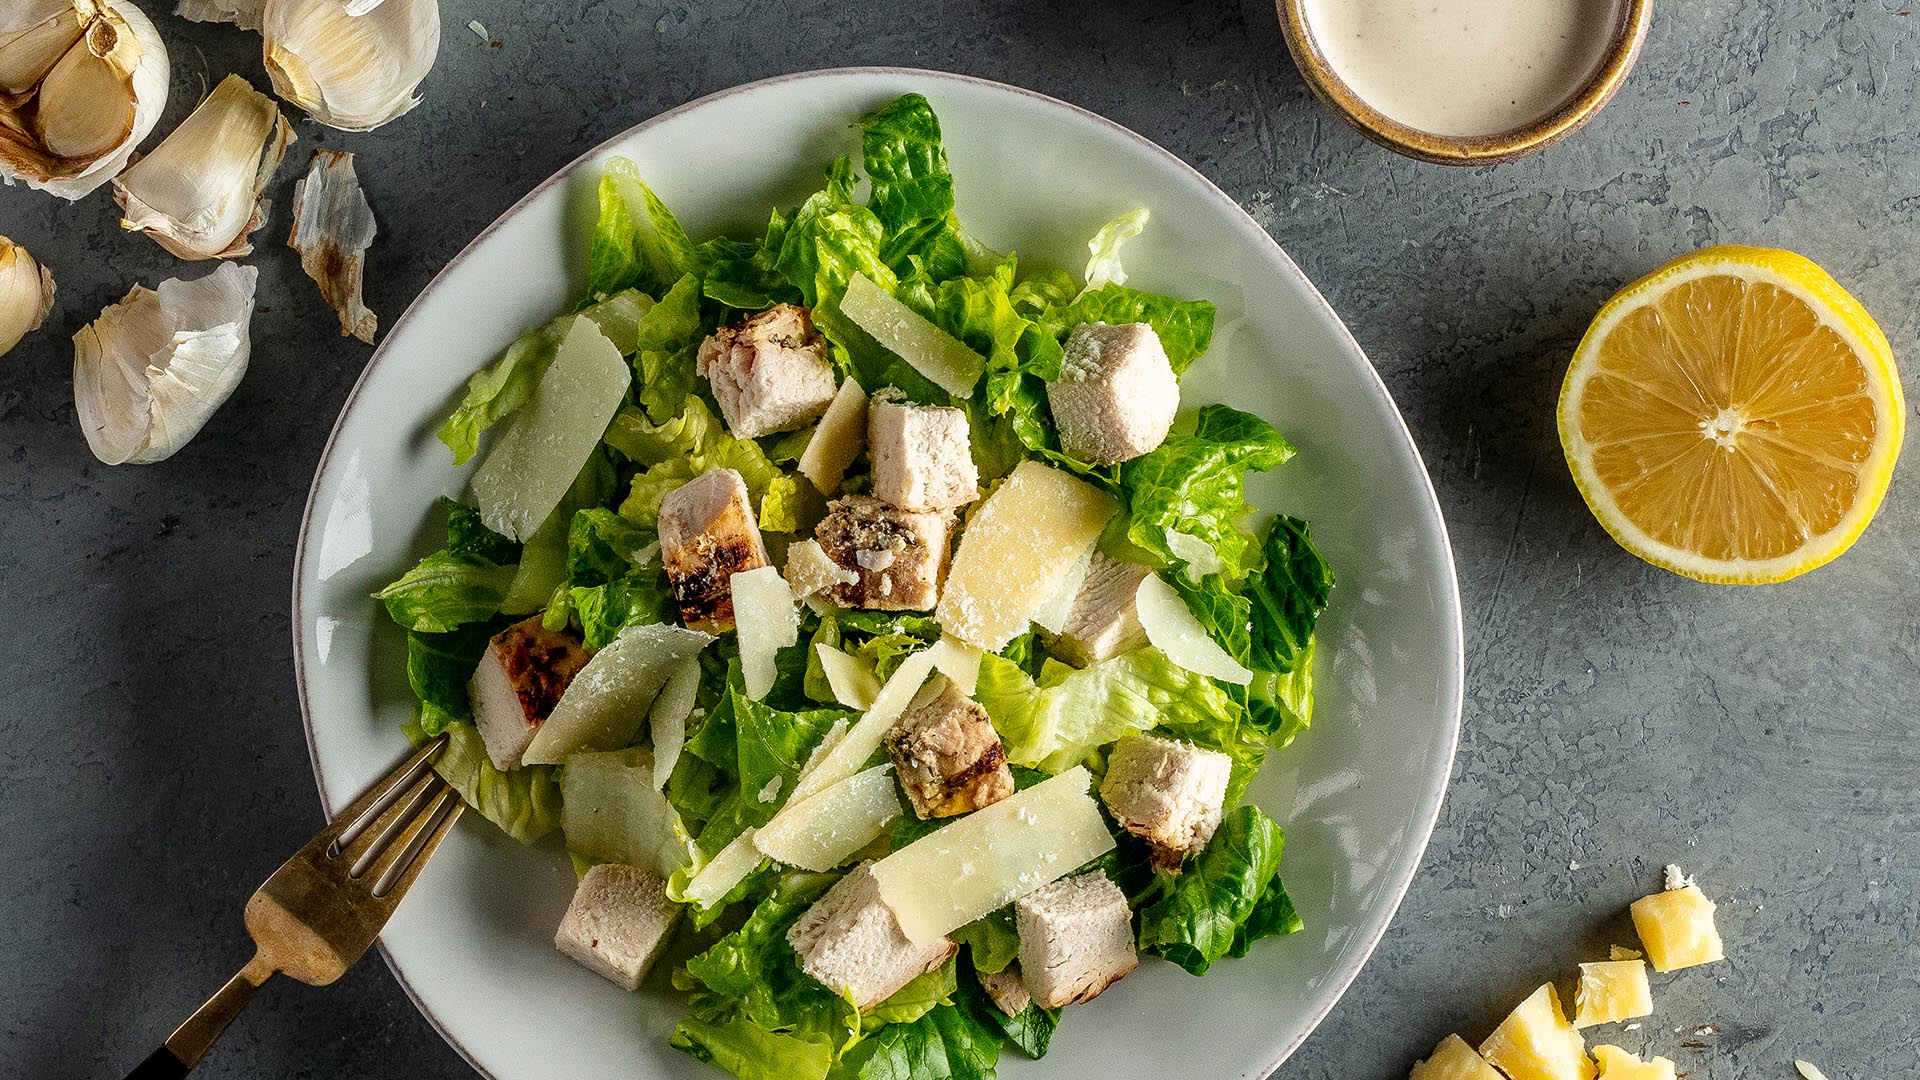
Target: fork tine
372,835
349,822
399,875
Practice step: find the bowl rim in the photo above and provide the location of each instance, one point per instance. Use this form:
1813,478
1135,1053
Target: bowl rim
1615,64
1453,703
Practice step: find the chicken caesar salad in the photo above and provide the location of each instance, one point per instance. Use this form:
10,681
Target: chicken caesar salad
861,609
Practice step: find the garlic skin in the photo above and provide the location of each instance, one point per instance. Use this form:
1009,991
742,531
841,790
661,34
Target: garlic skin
26,294
332,228
152,369
81,83
244,14
199,193
348,71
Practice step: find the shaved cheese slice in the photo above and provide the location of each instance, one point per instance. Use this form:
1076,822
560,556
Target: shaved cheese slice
824,829
728,868
767,620
604,705
853,683
610,812
838,439
548,440
931,351
993,856
668,718
958,661
1172,629
1052,614
1018,548
850,752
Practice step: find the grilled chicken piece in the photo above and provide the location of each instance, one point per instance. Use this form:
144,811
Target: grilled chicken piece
707,535
897,556
520,679
1076,939
948,756
769,373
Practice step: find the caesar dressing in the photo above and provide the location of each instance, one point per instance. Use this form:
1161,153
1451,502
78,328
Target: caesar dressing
1464,67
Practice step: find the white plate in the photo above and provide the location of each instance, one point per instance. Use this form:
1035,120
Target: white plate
1358,793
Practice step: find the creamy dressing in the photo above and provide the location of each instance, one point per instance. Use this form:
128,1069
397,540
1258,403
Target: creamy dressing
1464,67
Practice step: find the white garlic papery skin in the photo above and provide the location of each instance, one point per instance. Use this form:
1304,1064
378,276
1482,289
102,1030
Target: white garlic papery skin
26,294
152,369
81,83
332,228
244,14
199,193
352,72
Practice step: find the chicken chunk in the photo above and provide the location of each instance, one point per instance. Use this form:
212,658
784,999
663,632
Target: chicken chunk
769,373
1103,621
1006,989
707,535
948,757
520,679
921,457
1168,793
1076,939
896,556
1116,395
618,923
850,942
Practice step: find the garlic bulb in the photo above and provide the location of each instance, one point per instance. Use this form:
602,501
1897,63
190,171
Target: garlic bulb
81,83
26,294
244,14
350,71
151,370
198,193
332,229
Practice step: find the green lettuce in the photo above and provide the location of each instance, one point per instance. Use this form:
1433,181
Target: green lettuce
751,1052
1230,897
741,274
468,535
1192,488
756,971
1103,263
439,666
445,591
948,1043
991,941
525,802
666,346
1287,596
1031,1029
636,242
905,163
1185,327
504,385
680,449
922,994
1056,721
614,576
610,812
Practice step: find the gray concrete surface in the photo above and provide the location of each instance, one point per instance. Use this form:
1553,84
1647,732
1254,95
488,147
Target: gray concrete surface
151,767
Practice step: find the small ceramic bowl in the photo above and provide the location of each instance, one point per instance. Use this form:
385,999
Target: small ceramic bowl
1618,59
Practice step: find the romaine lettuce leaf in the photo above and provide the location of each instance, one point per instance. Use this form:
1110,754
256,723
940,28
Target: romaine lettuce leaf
948,1043
905,163
1230,897
756,972
920,996
636,242
1031,1029
637,599
991,941
439,667
751,1052
1185,326
445,591
678,450
1193,487
468,535
602,546
1055,722
525,803
1287,596
1103,265
666,347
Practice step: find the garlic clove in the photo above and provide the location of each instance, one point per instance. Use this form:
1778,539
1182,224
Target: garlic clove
34,35
244,14
152,369
71,116
26,294
199,193
348,71
332,228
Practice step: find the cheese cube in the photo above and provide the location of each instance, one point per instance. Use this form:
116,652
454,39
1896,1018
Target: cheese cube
1453,1059
1610,991
1017,549
1535,1042
1677,928
1618,1064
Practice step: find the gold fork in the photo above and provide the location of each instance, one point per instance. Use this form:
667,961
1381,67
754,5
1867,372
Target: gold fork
318,913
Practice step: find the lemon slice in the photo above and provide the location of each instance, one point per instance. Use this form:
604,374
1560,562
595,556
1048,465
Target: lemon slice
1733,416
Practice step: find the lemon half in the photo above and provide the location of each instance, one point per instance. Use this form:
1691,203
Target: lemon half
1733,416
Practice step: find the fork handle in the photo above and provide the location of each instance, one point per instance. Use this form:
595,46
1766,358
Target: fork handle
189,1042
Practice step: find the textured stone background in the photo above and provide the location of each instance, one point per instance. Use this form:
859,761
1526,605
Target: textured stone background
1617,717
